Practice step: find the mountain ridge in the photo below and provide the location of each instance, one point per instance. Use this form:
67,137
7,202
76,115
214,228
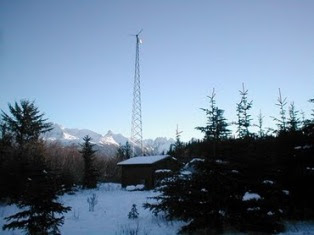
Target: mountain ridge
108,143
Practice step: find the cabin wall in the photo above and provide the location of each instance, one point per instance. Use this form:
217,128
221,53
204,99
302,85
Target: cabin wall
144,174
137,174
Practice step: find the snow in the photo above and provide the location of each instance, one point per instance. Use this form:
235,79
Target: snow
140,186
130,188
110,215
268,182
191,164
302,147
163,171
299,228
69,137
159,145
250,196
118,138
197,160
219,161
108,140
143,160
186,172
222,213
135,187
253,209
286,192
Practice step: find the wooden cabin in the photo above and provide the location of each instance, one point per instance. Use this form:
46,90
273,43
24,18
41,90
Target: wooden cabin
142,169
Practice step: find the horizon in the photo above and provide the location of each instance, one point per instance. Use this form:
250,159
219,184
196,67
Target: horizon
76,60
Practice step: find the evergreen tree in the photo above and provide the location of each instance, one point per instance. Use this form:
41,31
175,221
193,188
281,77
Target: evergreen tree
90,172
312,101
260,118
23,125
6,150
34,187
244,118
5,142
303,120
204,199
26,123
39,198
133,214
124,151
5,137
216,126
210,197
120,153
178,143
127,150
293,120
282,120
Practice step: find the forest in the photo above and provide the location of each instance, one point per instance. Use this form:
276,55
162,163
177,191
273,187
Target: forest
251,182
245,181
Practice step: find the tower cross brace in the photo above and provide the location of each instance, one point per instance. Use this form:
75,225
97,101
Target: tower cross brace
136,129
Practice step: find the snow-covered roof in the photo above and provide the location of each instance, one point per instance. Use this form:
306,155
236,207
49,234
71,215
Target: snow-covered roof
143,160
249,196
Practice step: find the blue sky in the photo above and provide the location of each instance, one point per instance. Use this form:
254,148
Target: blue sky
76,60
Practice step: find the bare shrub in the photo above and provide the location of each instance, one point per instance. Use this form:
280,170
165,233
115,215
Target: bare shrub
76,214
92,202
129,230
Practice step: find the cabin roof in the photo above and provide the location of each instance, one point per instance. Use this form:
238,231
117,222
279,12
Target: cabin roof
142,160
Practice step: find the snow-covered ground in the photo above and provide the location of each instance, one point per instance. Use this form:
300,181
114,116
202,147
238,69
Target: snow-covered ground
110,215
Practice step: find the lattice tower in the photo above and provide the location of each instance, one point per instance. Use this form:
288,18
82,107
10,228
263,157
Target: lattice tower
136,129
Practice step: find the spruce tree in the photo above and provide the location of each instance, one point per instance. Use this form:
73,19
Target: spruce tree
127,150
23,124
178,143
6,150
312,101
34,186
260,118
26,123
39,204
244,118
282,120
216,126
5,142
133,214
90,172
293,120
124,151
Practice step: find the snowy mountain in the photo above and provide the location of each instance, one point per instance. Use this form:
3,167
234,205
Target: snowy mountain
107,143
159,145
